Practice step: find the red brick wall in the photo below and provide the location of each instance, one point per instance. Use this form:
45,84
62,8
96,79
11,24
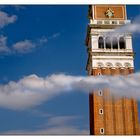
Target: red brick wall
119,11
120,115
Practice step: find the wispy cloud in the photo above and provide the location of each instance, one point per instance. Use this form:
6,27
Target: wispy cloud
19,7
61,120
132,28
3,45
58,125
23,46
16,7
33,90
42,40
20,47
59,130
39,113
55,35
6,19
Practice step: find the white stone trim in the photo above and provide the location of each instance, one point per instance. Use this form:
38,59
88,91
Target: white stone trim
100,92
113,63
102,131
101,111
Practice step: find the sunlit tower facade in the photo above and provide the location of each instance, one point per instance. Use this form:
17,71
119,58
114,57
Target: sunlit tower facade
110,55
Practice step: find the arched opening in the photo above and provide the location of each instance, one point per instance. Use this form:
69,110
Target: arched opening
122,43
109,65
118,65
127,65
108,42
101,42
115,43
100,65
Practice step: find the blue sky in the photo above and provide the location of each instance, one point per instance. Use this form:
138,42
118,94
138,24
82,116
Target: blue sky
55,40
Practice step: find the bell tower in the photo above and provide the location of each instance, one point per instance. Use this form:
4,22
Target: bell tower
110,54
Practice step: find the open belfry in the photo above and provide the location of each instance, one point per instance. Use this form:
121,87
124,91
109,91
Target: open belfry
110,54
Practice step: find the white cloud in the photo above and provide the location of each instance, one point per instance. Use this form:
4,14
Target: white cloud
33,90
24,46
5,19
133,27
21,47
3,45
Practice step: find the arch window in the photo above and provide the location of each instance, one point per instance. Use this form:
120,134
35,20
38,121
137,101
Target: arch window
100,65
118,65
122,43
99,73
101,42
115,43
127,65
109,65
108,42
